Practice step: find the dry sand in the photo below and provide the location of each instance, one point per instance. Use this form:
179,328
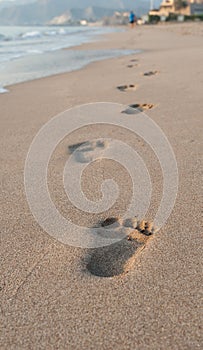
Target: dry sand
48,298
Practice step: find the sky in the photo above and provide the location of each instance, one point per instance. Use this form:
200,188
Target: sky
16,1
20,2
156,2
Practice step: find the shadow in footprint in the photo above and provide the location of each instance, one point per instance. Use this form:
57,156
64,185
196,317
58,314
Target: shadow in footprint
150,73
125,88
137,108
142,106
72,148
118,258
113,260
132,65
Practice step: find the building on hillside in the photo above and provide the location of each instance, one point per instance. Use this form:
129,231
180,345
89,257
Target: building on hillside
187,8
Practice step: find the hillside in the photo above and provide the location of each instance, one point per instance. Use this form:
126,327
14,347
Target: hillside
43,11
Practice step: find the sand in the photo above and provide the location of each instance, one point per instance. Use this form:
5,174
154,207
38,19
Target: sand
49,299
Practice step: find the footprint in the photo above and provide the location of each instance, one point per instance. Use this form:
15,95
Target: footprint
150,73
130,87
137,108
118,258
142,106
146,227
132,65
113,260
85,152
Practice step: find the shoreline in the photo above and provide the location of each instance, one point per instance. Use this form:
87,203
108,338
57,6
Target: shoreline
111,41
49,299
6,87
95,38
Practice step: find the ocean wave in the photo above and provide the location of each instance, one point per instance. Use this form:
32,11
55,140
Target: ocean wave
50,32
10,56
47,33
35,34
30,35
5,38
3,90
35,51
38,40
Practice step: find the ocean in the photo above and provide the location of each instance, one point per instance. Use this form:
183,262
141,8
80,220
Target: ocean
28,53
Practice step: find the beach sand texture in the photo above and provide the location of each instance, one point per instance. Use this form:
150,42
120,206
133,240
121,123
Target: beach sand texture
50,294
